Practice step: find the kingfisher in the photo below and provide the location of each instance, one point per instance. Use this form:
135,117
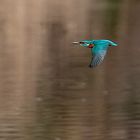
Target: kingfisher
98,49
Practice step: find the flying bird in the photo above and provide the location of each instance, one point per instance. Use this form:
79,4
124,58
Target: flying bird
98,49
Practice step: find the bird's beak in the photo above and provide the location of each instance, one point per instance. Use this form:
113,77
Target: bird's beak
75,43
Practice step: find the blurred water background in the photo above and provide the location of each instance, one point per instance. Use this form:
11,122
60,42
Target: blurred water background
47,91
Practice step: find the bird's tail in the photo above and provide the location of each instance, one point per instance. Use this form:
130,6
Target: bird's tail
113,43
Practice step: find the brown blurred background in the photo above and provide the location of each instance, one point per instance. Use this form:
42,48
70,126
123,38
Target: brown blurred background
47,91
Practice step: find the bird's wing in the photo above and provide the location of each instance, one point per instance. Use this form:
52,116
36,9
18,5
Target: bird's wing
98,58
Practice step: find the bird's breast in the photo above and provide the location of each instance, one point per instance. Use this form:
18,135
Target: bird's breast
90,46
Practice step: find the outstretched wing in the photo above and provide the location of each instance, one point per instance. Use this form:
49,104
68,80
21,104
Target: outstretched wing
98,58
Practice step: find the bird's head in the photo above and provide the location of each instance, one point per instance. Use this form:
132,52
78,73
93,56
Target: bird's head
85,43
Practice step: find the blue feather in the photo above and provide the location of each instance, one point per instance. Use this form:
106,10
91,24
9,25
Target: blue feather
98,48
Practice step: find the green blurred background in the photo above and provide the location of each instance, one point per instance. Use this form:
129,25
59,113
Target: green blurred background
47,91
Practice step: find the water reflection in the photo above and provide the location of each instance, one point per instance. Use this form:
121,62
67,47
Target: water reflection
47,90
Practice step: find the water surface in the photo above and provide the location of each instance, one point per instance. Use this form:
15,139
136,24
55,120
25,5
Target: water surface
47,91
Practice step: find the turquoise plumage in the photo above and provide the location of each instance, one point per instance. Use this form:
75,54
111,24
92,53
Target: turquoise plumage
98,49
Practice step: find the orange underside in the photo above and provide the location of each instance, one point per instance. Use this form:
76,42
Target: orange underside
90,46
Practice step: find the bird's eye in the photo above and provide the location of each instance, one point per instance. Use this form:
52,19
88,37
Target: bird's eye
82,42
